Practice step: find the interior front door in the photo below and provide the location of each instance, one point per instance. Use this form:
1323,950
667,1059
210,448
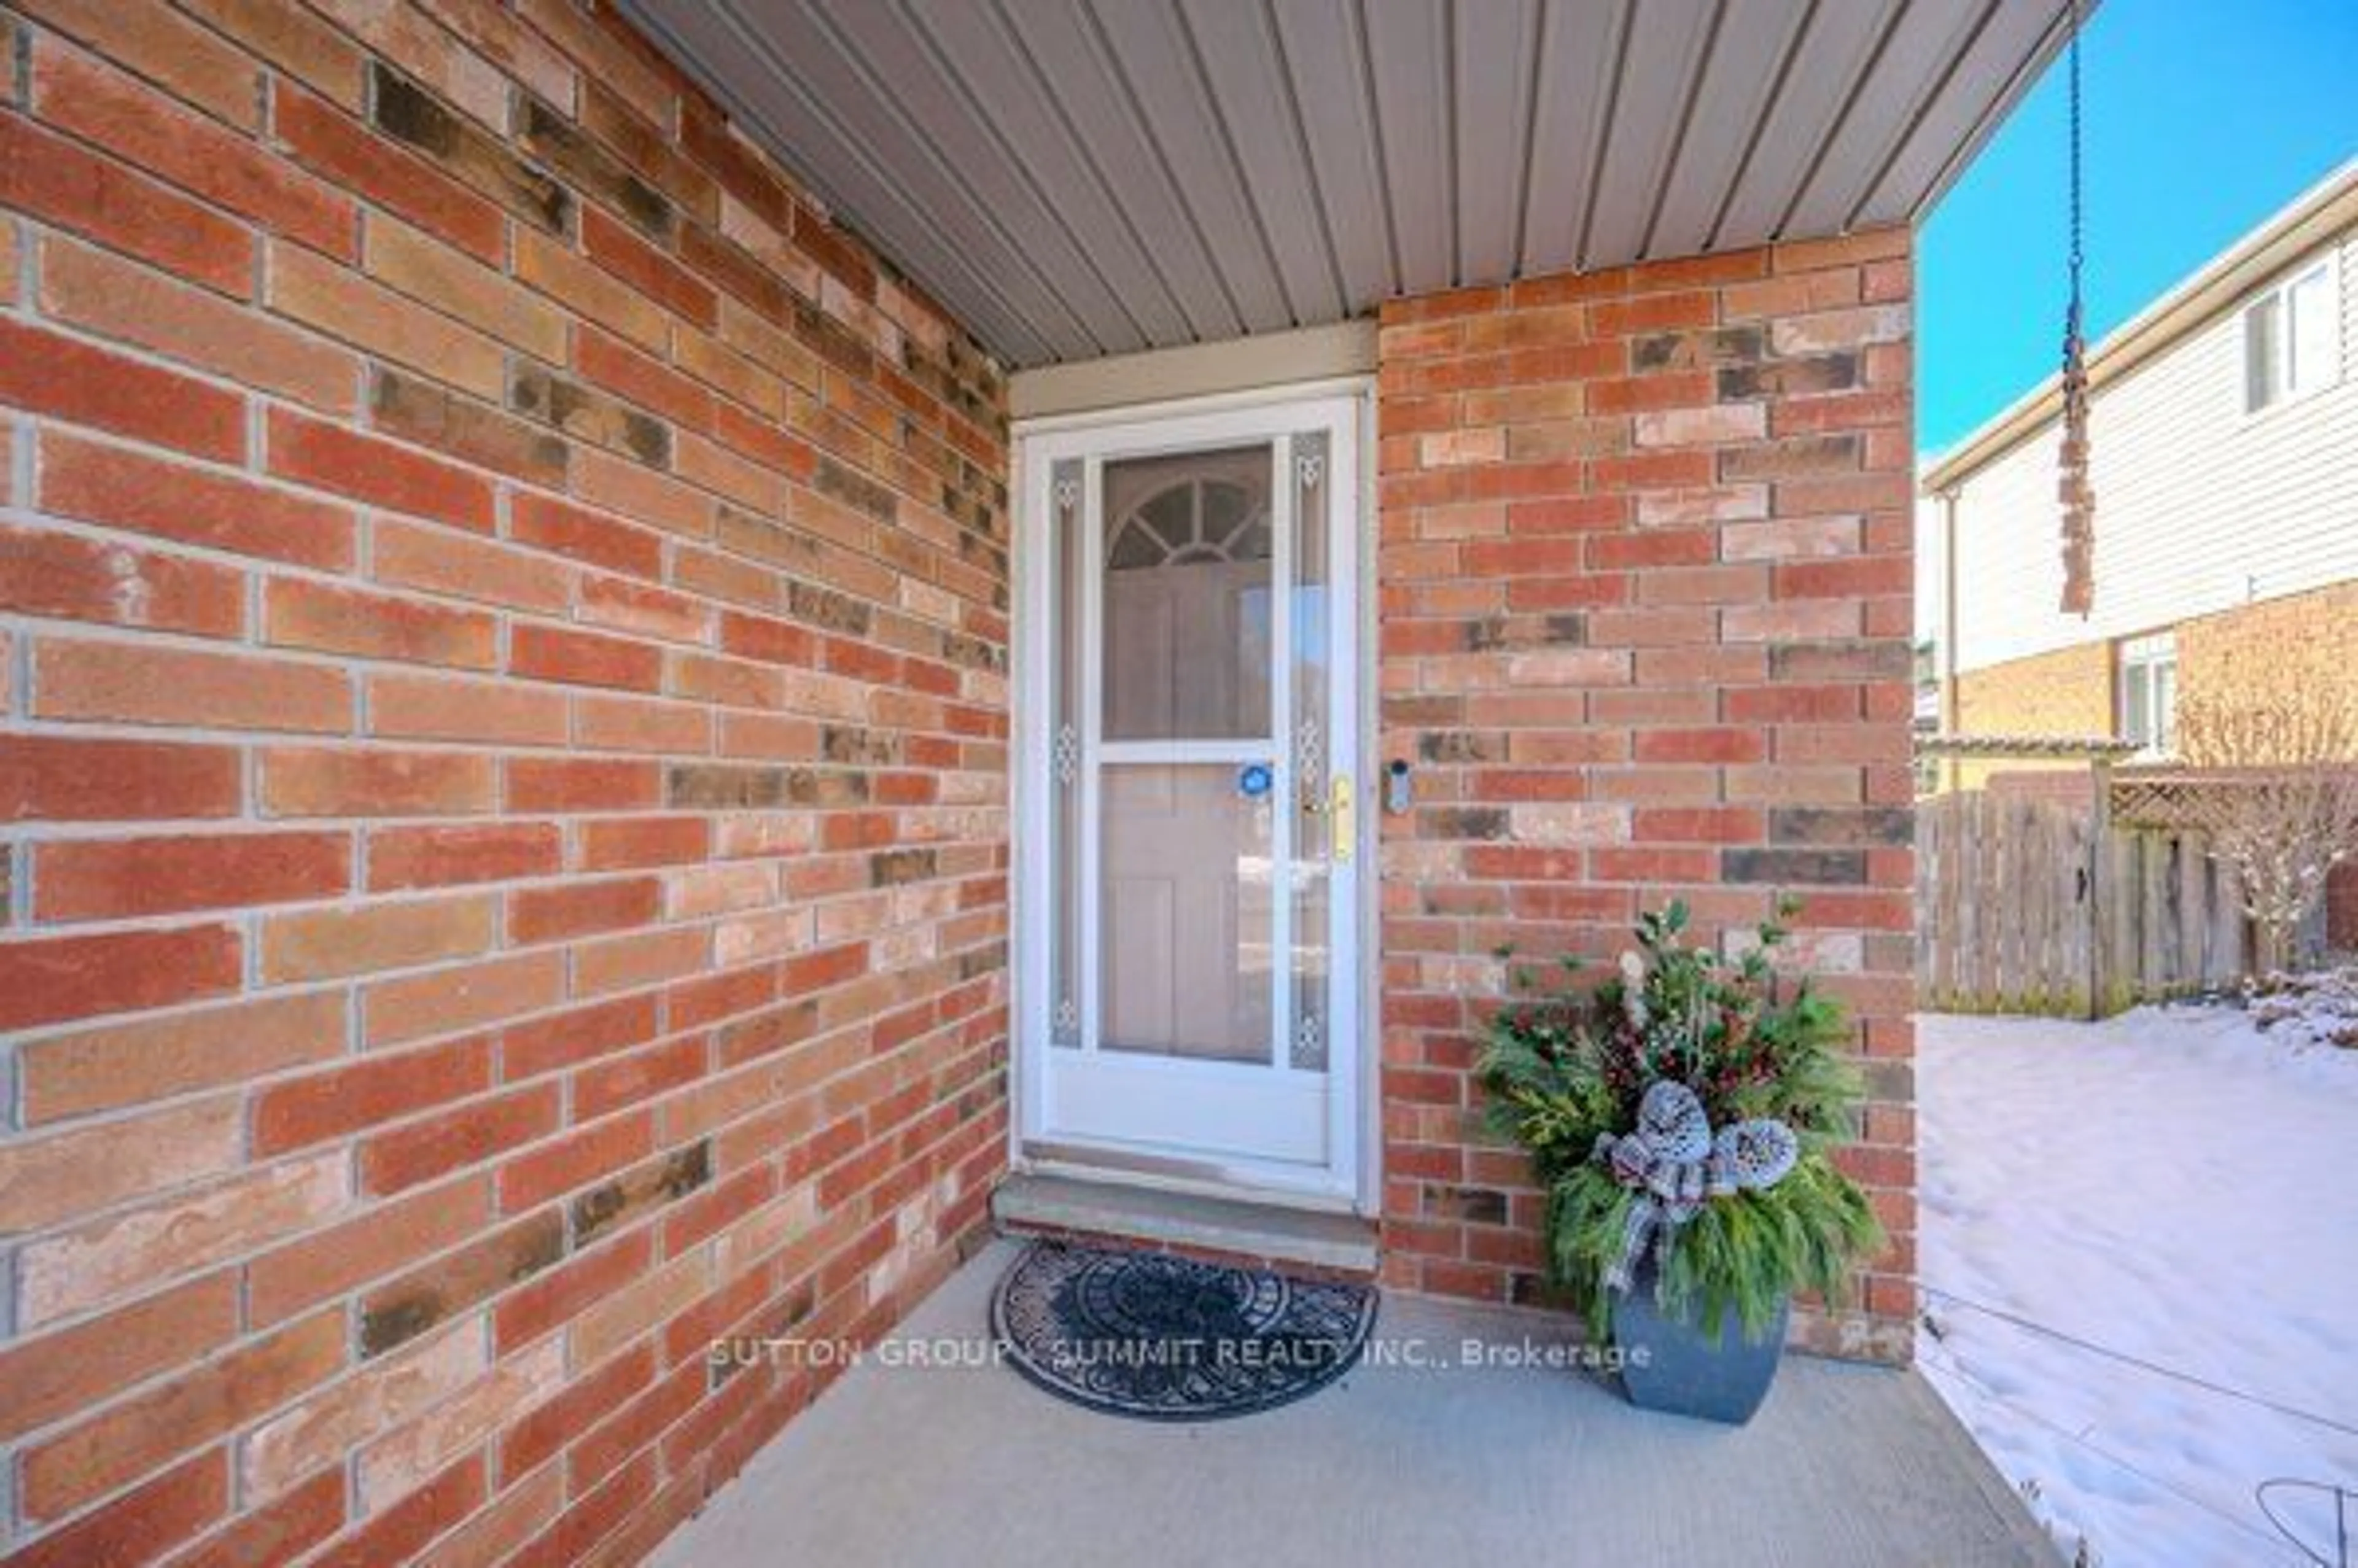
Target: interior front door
1192,825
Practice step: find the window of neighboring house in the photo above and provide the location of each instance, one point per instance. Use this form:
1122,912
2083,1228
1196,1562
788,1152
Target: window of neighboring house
2148,689
2292,340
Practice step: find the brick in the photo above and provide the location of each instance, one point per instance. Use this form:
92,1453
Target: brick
386,173
140,1435
64,378
583,658
60,182
115,299
318,1106
142,1524
581,535
1860,576
1784,540
428,708
351,308
334,943
579,908
90,879
441,1002
1702,427
1783,867
150,132
1789,378
1795,457
379,472
581,784
307,783
1816,333
48,573
126,489
52,980
438,561
645,958
76,1368
1881,824
140,684
184,60
133,1063
403,858
298,612
457,284
627,841
182,1234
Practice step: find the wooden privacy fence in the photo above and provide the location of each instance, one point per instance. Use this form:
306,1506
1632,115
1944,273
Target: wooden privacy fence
2028,905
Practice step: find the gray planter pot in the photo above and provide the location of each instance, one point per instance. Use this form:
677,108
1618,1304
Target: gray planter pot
1669,1364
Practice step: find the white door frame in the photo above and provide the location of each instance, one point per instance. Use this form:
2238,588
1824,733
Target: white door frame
1343,409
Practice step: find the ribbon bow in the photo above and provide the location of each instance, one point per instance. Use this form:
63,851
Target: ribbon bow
1674,1162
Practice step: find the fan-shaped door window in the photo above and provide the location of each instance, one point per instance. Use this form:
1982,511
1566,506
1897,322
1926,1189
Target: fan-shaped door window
1187,597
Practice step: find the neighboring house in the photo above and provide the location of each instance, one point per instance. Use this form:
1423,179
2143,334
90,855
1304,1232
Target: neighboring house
612,708
2224,429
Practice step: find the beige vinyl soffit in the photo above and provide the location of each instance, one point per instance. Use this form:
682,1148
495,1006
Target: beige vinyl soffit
1198,370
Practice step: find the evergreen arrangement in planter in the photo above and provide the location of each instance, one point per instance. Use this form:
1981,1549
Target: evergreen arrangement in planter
1679,1119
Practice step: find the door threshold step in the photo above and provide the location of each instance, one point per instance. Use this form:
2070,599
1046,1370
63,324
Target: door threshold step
1063,1206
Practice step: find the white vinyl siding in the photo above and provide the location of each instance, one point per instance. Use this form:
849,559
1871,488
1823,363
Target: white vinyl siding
2199,504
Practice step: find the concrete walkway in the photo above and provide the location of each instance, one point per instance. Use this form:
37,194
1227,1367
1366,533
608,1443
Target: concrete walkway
1434,1465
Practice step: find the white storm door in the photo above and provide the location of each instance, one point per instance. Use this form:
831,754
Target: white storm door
1191,838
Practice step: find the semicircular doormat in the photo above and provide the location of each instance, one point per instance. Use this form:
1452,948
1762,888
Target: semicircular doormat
1166,1338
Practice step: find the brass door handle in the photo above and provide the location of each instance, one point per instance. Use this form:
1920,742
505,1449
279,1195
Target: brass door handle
1342,818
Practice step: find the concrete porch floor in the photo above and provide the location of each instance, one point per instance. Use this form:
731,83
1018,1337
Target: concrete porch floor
1395,1465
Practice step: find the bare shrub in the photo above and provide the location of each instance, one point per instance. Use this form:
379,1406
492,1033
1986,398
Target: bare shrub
2273,727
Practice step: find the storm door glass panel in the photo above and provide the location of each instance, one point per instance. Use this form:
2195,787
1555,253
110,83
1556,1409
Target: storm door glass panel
1186,646
1312,645
1185,912
1065,744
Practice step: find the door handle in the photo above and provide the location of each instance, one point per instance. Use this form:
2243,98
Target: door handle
1342,819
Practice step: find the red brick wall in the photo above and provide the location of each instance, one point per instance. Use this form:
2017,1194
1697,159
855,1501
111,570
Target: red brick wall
1645,574
502,777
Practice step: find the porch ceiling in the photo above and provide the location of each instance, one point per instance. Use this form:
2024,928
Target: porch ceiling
1079,178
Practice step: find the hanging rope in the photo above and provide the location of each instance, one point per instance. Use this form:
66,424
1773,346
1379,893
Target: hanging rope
2073,489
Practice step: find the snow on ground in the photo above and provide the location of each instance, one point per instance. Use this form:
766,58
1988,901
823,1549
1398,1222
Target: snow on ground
2175,1186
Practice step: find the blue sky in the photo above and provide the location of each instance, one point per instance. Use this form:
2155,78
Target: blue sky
2202,117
